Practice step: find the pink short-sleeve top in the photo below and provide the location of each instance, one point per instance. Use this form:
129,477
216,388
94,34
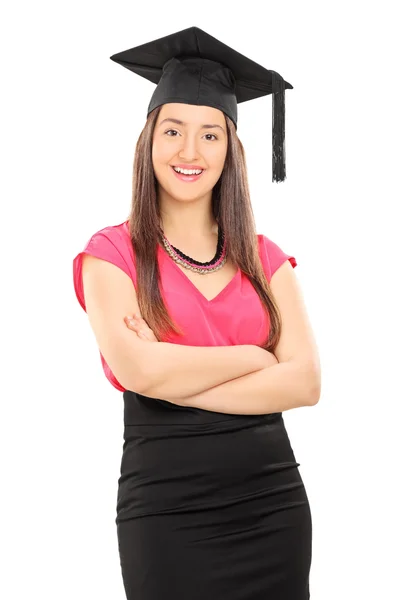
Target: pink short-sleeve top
235,316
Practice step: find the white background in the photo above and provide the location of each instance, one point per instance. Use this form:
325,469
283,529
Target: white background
70,118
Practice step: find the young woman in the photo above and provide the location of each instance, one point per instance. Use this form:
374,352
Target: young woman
210,503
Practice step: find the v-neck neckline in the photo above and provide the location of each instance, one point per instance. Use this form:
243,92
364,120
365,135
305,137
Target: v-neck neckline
192,285
195,289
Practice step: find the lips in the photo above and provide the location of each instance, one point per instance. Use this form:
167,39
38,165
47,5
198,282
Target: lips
188,178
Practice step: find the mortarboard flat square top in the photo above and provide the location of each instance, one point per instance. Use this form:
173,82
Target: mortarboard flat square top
193,67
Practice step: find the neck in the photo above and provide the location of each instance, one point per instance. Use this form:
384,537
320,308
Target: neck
192,219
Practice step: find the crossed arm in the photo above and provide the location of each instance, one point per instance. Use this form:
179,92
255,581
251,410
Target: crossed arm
277,388
267,388
292,376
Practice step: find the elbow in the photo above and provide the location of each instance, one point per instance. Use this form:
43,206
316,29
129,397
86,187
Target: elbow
314,388
132,382
142,386
140,382
309,380
146,381
131,374
313,396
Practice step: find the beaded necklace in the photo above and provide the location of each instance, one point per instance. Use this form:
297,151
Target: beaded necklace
194,265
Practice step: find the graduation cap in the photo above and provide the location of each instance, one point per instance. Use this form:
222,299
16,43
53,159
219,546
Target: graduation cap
193,67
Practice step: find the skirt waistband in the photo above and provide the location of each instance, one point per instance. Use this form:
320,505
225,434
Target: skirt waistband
142,410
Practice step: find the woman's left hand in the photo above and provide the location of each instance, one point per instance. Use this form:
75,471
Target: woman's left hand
140,327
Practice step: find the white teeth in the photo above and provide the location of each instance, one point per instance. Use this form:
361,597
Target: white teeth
188,171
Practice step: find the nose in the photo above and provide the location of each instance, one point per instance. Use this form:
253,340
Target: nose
188,151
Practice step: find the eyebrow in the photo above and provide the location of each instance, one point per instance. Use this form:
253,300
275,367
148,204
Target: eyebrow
178,122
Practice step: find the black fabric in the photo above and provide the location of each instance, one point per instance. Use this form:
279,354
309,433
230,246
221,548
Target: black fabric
193,67
210,505
196,81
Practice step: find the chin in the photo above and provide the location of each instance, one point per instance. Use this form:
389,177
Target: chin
187,192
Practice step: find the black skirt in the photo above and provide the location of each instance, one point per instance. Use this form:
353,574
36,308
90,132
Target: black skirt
210,506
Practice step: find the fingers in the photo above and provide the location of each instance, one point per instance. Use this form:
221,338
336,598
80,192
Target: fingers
135,322
138,325
134,319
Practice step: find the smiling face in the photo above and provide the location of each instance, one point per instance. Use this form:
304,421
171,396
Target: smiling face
189,149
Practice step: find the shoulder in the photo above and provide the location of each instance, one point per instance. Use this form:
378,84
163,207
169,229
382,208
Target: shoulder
118,234
111,244
272,255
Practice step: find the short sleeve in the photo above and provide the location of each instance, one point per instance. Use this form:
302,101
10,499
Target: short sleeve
272,256
110,245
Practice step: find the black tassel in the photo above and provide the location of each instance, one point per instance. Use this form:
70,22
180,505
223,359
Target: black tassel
278,128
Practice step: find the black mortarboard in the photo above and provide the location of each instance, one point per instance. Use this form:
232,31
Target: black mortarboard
193,67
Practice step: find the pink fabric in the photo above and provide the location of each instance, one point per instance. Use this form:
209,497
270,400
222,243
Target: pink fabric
234,317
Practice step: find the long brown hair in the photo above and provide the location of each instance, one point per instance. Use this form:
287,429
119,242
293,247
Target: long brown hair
230,198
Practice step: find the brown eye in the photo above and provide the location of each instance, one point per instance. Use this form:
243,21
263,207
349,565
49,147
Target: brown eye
171,132
210,135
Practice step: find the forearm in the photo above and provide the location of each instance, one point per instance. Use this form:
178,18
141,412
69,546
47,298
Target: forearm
178,371
277,388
